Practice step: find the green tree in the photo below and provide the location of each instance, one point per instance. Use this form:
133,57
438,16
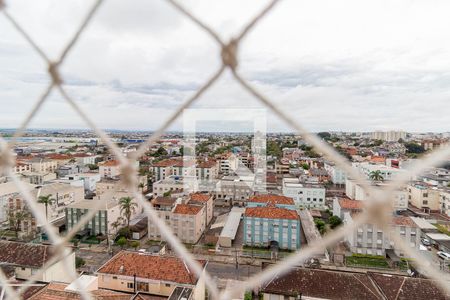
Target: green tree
135,244
334,221
273,149
122,242
305,166
324,135
79,262
376,175
320,225
16,217
46,200
127,207
414,148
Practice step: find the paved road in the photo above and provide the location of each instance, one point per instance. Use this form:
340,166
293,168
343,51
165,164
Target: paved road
228,271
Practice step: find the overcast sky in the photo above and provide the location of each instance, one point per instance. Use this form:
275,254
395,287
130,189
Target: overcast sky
332,65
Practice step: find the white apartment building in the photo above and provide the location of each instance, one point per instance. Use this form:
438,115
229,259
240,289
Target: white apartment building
110,169
234,189
369,239
388,173
337,175
175,185
445,201
43,165
388,136
356,192
304,195
423,196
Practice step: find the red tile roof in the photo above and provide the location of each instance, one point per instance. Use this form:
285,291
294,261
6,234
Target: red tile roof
82,155
271,213
403,221
168,163
200,197
378,159
57,156
207,164
346,203
24,254
164,268
272,199
187,209
109,163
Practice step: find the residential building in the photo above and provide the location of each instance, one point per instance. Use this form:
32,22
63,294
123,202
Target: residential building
21,167
84,159
268,224
438,177
388,136
186,217
63,195
235,189
38,178
88,180
423,196
444,202
107,214
342,205
355,191
337,175
207,169
282,167
28,258
9,190
175,184
369,239
110,169
304,195
151,274
43,165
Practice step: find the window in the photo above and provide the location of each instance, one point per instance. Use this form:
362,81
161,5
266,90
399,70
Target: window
142,286
167,284
130,285
167,218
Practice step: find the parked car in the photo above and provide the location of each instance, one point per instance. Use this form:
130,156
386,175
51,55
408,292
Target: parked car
425,242
443,255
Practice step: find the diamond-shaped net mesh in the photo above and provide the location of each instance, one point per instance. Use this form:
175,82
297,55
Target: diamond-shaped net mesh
376,212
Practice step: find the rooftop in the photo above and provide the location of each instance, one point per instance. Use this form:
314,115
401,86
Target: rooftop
24,254
271,213
272,199
109,163
163,268
187,209
347,203
403,221
56,291
200,197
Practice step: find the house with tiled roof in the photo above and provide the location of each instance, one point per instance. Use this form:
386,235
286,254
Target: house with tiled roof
187,217
28,258
331,284
109,169
133,272
271,200
341,205
268,225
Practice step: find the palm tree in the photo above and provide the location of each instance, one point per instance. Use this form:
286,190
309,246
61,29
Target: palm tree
127,206
141,186
376,175
46,200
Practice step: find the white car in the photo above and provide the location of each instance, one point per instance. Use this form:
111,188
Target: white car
443,255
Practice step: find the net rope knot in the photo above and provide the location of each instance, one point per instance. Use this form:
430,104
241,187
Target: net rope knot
228,54
129,171
2,4
54,73
6,159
